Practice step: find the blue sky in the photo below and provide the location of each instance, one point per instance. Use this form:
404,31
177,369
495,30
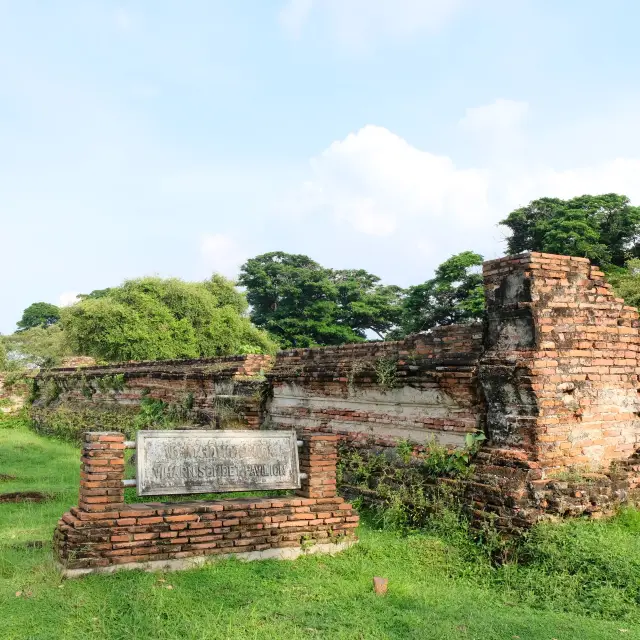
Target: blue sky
180,138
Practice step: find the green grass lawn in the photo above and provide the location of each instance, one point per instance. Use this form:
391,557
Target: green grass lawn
582,580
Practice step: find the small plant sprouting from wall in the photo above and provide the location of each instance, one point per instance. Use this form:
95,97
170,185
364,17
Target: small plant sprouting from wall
180,411
86,388
357,366
34,390
386,372
108,383
228,411
151,413
50,391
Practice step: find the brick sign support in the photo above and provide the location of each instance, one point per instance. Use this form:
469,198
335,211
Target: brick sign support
103,533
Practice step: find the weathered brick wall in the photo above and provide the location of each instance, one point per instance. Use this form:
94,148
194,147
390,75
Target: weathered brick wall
552,377
419,388
224,392
560,378
560,368
103,532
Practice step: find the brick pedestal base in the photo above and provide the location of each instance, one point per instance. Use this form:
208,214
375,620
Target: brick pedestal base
104,533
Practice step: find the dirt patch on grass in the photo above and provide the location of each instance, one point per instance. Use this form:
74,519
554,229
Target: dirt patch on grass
5,477
24,496
31,544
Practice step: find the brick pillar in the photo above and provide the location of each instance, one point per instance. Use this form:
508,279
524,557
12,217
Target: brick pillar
560,367
318,457
102,472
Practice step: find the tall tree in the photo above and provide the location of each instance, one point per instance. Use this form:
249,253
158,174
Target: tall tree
454,295
365,304
155,318
604,228
39,314
302,303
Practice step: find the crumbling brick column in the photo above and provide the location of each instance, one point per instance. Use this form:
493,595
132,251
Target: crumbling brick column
560,367
318,458
102,472
560,376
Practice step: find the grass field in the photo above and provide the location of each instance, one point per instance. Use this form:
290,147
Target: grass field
581,580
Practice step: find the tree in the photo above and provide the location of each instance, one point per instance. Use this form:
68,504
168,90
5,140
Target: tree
604,228
4,362
40,346
154,318
455,294
303,304
626,282
39,314
365,304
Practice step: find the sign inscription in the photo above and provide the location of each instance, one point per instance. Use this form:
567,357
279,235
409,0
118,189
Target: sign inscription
171,462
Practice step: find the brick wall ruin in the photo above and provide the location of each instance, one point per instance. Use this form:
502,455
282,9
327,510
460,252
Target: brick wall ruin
551,377
221,392
419,388
560,377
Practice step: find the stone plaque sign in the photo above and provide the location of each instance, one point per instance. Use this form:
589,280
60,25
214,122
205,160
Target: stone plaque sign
171,462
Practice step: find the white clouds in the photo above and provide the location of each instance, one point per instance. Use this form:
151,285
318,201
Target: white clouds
615,176
422,206
222,254
374,181
357,23
68,298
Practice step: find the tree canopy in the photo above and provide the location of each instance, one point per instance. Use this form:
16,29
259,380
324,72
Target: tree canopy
155,318
36,347
301,303
39,314
455,294
626,282
604,228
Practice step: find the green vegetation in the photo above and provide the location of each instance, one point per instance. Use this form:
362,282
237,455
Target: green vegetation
69,422
302,304
626,282
580,579
454,295
407,487
604,228
42,347
39,314
386,370
296,302
154,319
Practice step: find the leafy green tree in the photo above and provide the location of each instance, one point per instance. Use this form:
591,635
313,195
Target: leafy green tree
96,293
365,304
154,318
40,346
454,295
39,314
604,228
302,303
626,282
4,362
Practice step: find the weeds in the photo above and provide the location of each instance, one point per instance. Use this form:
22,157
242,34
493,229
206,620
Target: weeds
386,372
